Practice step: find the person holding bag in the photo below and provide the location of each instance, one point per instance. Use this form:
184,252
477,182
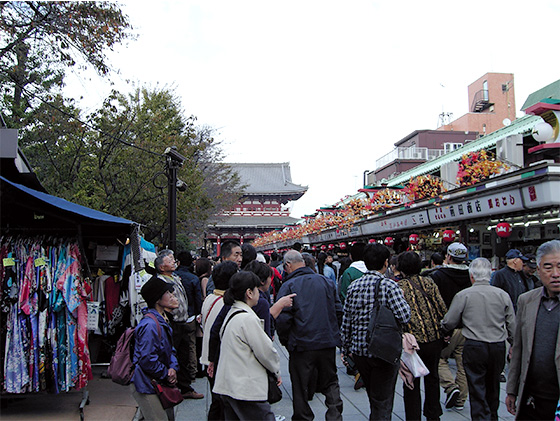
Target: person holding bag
427,309
154,355
246,354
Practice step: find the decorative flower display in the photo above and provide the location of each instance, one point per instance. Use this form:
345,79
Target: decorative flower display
478,166
424,187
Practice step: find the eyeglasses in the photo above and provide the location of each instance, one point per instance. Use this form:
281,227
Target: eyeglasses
549,267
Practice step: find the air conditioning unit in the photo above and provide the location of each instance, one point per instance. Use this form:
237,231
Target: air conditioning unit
510,150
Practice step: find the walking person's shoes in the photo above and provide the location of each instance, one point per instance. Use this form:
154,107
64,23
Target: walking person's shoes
192,394
452,398
359,382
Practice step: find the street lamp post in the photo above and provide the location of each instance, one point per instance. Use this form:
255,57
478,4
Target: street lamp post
174,162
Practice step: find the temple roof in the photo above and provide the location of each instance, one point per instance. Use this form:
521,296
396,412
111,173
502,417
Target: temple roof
268,179
255,222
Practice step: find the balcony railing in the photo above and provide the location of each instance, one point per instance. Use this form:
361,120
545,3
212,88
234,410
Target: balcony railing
424,154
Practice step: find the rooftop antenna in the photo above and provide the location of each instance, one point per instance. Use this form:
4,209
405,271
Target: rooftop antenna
444,117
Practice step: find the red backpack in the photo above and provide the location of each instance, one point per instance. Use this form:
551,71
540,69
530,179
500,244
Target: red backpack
121,367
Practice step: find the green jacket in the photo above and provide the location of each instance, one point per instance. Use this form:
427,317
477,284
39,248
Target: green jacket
355,271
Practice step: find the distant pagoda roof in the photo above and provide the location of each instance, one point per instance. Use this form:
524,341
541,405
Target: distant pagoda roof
270,222
268,179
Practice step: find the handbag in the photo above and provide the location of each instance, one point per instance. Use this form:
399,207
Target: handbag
274,391
384,332
169,395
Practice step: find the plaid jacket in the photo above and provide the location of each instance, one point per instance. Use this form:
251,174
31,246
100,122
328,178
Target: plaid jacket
359,305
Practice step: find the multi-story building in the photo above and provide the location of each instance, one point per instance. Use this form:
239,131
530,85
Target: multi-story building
491,107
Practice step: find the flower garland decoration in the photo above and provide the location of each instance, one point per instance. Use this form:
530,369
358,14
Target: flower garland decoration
475,167
424,187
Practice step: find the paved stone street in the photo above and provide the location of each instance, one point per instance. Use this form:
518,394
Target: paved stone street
109,401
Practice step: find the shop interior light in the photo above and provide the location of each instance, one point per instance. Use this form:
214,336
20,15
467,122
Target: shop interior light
519,223
471,230
546,221
531,223
491,227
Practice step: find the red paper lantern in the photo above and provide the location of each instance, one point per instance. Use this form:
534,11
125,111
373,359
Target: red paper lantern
342,246
323,247
389,241
448,236
413,239
371,241
503,229
331,247
314,248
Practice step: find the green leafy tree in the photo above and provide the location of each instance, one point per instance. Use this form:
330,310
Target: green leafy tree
39,41
116,164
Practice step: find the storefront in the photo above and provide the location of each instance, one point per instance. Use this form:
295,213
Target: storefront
527,201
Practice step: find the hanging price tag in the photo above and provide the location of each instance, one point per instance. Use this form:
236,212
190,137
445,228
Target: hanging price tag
8,261
39,262
93,315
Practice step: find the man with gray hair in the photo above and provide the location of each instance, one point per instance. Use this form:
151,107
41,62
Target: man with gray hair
534,370
487,316
310,331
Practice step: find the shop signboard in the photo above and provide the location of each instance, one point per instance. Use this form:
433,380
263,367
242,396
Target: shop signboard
542,194
497,203
396,223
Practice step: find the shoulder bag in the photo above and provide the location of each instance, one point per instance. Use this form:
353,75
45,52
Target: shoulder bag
384,332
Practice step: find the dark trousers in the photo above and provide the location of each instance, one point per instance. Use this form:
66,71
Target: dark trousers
483,364
429,353
534,408
246,410
302,366
380,378
216,410
181,345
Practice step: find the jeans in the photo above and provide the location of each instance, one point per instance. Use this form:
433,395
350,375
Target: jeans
380,378
484,363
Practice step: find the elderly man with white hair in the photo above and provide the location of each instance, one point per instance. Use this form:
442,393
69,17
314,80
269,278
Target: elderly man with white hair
534,372
488,319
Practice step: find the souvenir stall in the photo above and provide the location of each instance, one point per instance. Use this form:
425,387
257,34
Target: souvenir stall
54,255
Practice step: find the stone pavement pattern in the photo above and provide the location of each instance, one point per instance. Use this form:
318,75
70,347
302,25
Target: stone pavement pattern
109,401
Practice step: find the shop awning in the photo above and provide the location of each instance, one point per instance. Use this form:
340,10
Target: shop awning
16,196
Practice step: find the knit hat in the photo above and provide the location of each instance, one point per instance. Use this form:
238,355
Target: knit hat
457,250
154,289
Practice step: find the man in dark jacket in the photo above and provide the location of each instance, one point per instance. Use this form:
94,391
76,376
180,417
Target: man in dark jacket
191,282
310,331
510,278
450,279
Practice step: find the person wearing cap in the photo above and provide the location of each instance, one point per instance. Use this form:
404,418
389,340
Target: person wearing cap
509,277
451,278
528,272
533,385
487,319
154,356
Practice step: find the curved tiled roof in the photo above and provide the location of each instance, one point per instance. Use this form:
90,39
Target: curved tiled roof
256,221
267,178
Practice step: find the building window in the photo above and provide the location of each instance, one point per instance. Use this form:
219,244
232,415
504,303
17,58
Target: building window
485,90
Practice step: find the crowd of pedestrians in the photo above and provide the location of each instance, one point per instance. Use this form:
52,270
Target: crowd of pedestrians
219,319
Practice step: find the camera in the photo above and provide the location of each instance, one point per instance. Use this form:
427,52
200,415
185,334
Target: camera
172,153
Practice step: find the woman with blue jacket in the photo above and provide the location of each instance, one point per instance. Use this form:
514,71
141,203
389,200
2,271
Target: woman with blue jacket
154,355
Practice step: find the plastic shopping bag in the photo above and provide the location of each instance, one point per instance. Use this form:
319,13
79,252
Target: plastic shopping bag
415,364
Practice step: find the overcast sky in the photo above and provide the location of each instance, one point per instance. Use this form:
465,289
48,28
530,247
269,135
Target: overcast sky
330,86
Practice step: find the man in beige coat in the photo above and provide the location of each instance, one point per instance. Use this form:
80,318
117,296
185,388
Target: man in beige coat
534,373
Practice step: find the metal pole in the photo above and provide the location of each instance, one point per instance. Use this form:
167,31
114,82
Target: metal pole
172,203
